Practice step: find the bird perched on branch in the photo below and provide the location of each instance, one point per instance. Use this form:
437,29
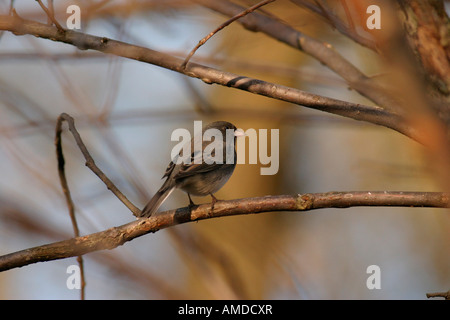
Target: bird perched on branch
200,172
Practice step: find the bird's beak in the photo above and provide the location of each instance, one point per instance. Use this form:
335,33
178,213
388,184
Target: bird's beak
239,133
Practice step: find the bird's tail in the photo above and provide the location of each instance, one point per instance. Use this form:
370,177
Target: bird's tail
155,202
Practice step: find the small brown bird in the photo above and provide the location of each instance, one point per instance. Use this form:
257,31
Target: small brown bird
199,176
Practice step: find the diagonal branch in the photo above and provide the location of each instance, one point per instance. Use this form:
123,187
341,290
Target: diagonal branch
322,52
337,23
116,236
50,15
90,163
223,25
372,114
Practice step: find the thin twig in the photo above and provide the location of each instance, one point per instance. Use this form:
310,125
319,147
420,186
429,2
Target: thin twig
63,180
223,25
51,16
51,10
90,163
116,236
351,25
11,7
70,205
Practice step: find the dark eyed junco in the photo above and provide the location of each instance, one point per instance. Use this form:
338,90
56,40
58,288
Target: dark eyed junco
203,171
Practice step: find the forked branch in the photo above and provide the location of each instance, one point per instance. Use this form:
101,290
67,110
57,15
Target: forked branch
90,163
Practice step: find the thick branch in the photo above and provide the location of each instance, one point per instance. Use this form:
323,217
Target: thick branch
117,236
322,52
371,114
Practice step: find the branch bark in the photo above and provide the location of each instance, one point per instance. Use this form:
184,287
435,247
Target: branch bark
116,236
445,295
372,114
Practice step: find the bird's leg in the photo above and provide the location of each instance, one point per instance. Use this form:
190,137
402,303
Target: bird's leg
191,203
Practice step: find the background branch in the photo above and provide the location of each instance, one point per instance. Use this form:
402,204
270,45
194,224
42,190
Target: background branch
116,236
319,50
50,15
371,114
331,18
66,191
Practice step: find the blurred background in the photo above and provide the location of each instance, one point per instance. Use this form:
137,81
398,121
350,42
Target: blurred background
126,111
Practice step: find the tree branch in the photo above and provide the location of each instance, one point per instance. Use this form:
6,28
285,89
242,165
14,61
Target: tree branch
445,295
90,163
319,50
116,236
337,23
66,191
372,114
50,15
223,25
